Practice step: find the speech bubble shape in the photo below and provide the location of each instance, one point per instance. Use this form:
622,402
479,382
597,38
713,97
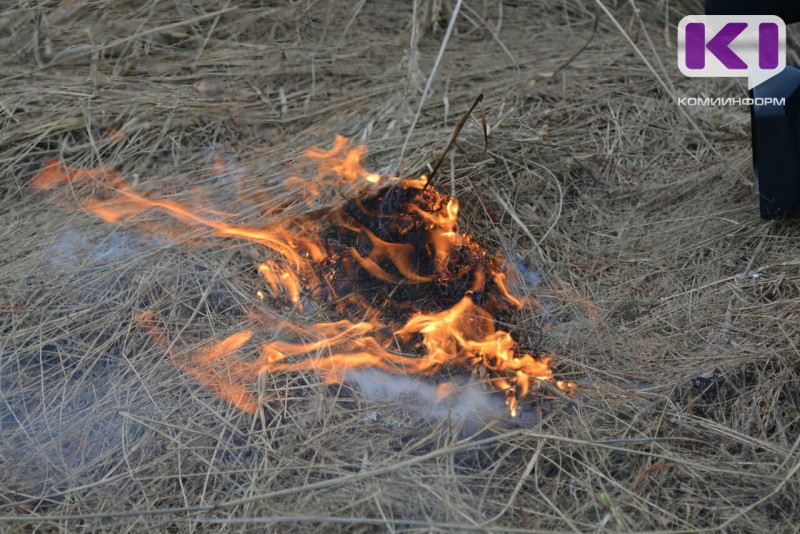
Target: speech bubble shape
732,46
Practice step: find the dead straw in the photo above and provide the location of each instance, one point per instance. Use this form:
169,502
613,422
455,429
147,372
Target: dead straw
624,216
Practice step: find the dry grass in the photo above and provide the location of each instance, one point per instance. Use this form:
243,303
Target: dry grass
663,294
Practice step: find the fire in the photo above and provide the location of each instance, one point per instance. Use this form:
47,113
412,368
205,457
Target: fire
415,293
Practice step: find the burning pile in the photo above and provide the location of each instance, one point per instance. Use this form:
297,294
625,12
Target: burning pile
415,293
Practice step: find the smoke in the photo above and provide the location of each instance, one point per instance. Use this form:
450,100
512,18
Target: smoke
464,401
60,435
528,279
73,249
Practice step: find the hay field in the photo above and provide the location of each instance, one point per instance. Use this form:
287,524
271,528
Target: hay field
662,294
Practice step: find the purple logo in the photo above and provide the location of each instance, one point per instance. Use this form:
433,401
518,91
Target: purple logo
732,46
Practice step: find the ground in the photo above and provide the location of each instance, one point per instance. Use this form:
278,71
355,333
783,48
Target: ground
660,292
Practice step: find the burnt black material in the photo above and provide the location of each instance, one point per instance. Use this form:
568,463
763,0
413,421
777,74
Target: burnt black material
394,215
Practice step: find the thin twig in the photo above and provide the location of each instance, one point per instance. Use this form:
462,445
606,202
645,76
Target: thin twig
453,138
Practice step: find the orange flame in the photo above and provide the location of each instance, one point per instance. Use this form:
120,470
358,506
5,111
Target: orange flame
304,264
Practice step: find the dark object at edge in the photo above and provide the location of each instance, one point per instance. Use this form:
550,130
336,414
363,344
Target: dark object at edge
776,151
776,146
788,10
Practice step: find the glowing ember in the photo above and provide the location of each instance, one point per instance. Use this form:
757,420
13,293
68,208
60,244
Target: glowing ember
415,293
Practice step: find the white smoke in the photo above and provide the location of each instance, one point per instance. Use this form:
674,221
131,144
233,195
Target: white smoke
528,279
73,249
464,401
